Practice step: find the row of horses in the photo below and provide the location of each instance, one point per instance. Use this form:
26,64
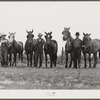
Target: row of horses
31,48
89,46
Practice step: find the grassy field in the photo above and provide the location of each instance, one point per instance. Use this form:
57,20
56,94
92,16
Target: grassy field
49,78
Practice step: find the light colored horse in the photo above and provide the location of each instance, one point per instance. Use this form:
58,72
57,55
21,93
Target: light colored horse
68,46
90,46
14,48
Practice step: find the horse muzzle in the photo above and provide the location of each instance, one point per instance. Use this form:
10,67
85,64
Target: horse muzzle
64,38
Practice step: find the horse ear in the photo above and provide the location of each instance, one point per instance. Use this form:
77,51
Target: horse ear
8,36
26,31
51,32
83,33
69,28
45,32
89,34
14,32
32,30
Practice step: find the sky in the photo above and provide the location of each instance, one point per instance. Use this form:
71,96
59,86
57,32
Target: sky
50,16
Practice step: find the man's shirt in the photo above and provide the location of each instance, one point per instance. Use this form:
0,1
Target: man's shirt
77,43
4,45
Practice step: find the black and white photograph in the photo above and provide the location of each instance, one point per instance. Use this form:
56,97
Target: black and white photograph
50,45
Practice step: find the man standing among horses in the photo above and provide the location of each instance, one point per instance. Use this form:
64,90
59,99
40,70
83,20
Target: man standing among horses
39,50
77,44
4,50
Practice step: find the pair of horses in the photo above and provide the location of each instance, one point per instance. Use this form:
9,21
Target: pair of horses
14,48
50,48
89,46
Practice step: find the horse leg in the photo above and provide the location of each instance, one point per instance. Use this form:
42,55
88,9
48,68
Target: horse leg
2,59
95,60
66,60
15,58
51,61
34,55
27,59
85,60
31,54
55,60
90,60
19,55
21,58
46,59
6,58
71,60
10,59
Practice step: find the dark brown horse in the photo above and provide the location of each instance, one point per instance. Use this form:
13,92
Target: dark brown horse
30,47
68,46
15,47
50,48
90,46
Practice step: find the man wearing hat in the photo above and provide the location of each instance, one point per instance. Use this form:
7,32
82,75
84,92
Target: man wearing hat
77,44
4,50
39,50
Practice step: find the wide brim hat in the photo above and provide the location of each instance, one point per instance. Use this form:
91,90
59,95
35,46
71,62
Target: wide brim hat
2,34
77,34
40,34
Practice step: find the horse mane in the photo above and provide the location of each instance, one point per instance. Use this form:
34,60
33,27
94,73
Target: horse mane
69,42
70,38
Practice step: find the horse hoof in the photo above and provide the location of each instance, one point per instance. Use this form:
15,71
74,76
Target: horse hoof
94,67
75,67
65,66
85,67
39,66
69,66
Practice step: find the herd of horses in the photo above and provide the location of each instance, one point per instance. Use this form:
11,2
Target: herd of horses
16,48
90,46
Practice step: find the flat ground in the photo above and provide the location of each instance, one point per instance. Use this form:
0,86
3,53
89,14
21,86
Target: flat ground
49,78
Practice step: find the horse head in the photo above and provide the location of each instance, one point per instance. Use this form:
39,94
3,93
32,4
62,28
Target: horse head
66,33
48,37
30,36
87,40
11,38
